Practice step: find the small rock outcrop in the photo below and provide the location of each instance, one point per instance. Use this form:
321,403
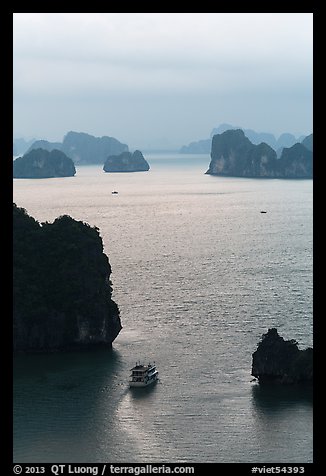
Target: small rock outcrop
280,361
126,162
61,286
40,163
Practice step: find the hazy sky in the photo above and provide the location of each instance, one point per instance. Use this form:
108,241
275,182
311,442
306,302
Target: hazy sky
161,79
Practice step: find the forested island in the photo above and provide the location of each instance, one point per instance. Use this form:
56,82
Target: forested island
62,288
41,163
233,154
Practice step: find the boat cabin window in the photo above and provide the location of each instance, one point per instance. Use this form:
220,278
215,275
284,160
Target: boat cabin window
136,372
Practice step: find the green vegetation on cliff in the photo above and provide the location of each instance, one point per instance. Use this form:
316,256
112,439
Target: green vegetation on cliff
62,288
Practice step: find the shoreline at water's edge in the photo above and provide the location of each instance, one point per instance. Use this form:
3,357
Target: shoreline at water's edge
67,349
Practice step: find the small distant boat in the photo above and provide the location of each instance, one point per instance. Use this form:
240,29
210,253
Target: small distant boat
114,192
143,375
263,211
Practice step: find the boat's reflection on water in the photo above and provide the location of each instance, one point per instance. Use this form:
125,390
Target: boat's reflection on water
144,392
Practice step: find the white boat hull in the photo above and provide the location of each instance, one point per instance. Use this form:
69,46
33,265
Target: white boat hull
141,384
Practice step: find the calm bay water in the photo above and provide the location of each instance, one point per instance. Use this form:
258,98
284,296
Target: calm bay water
199,275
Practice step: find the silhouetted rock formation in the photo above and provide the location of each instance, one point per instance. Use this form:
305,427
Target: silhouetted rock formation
234,155
40,163
280,361
62,288
126,162
87,149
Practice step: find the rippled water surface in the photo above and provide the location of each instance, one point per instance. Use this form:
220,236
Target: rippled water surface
199,275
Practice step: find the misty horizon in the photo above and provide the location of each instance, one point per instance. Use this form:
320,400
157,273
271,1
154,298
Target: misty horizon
161,80
158,146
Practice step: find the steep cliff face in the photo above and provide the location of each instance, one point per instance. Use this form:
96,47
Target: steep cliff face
87,149
126,162
62,288
40,163
278,360
233,154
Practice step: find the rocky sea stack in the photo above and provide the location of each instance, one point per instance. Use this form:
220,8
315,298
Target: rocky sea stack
62,288
280,361
234,155
126,162
41,163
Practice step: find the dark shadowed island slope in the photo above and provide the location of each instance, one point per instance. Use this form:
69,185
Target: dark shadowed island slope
281,361
126,162
62,288
41,163
233,154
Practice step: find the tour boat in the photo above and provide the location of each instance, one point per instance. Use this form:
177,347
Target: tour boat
143,375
